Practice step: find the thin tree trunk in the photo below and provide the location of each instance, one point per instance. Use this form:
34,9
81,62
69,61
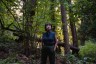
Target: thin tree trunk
73,28
65,29
82,33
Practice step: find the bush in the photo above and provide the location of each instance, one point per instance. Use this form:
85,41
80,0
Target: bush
73,60
69,59
88,52
9,60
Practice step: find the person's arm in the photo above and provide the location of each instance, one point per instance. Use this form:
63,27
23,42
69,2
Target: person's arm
56,43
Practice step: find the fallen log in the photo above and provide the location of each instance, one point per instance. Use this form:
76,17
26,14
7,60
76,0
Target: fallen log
76,49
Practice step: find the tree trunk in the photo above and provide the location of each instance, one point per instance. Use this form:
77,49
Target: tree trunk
65,29
83,32
29,13
73,27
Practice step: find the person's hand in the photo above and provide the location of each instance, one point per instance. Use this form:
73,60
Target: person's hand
54,48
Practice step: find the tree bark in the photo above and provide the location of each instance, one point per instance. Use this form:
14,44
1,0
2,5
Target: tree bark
65,29
82,33
29,13
73,27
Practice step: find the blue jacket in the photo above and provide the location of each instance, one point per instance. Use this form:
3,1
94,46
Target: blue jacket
48,38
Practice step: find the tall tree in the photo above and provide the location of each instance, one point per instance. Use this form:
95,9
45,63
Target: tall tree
72,26
29,12
65,29
86,13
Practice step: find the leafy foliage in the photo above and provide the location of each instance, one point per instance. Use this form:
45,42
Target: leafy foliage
88,51
10,60
86,12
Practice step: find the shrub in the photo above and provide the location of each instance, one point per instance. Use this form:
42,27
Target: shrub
88,52
9,60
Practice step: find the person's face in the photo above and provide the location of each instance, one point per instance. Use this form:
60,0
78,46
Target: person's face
48,27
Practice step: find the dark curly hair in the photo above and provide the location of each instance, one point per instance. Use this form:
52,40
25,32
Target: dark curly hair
47,25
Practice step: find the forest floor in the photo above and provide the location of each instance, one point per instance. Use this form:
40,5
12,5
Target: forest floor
26,60
30,60
57,61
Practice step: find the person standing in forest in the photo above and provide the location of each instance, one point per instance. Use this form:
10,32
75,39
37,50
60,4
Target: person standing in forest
49,43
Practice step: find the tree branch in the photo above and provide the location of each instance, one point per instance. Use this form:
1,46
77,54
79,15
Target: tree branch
10,11
7,28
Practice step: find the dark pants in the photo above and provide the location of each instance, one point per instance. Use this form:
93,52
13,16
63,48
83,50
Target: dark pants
48,52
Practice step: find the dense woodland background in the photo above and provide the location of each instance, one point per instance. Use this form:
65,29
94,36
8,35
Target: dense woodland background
22,24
